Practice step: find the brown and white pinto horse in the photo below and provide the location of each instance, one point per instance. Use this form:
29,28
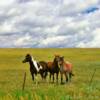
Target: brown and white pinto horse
36,67
53,68
66,69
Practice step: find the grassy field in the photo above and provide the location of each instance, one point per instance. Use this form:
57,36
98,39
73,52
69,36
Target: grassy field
12,70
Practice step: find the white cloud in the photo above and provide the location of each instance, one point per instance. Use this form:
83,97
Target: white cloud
49,23
6,28
6,3
56,41
23,40
96,40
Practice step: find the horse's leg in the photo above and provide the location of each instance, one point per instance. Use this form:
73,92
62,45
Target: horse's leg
41,73
50,77
32,74
66,76
70,76
45,74
57,77
36,79
61,78
53,77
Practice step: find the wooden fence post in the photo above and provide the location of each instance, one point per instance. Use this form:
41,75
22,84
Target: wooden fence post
24,81
92,77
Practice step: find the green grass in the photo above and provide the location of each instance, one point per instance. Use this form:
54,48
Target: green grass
84,62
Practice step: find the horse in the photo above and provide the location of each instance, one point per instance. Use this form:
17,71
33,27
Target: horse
36,67
53,68
66,69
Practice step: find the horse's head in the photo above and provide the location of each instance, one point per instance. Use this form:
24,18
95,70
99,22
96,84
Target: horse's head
27,58
61,60
56,58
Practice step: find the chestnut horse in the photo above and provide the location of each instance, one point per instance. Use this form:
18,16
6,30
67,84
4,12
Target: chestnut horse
66,69
36,67
53,68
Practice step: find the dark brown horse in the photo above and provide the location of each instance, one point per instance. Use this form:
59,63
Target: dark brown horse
66,69
36,67
53,68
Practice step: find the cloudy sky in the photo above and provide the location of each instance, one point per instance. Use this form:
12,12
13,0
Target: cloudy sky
49,23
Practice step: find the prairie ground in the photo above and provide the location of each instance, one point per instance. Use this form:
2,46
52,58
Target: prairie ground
84,61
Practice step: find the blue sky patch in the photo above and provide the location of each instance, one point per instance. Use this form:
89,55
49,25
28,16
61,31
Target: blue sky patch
90,10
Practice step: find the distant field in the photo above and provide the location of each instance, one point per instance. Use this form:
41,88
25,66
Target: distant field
84,62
